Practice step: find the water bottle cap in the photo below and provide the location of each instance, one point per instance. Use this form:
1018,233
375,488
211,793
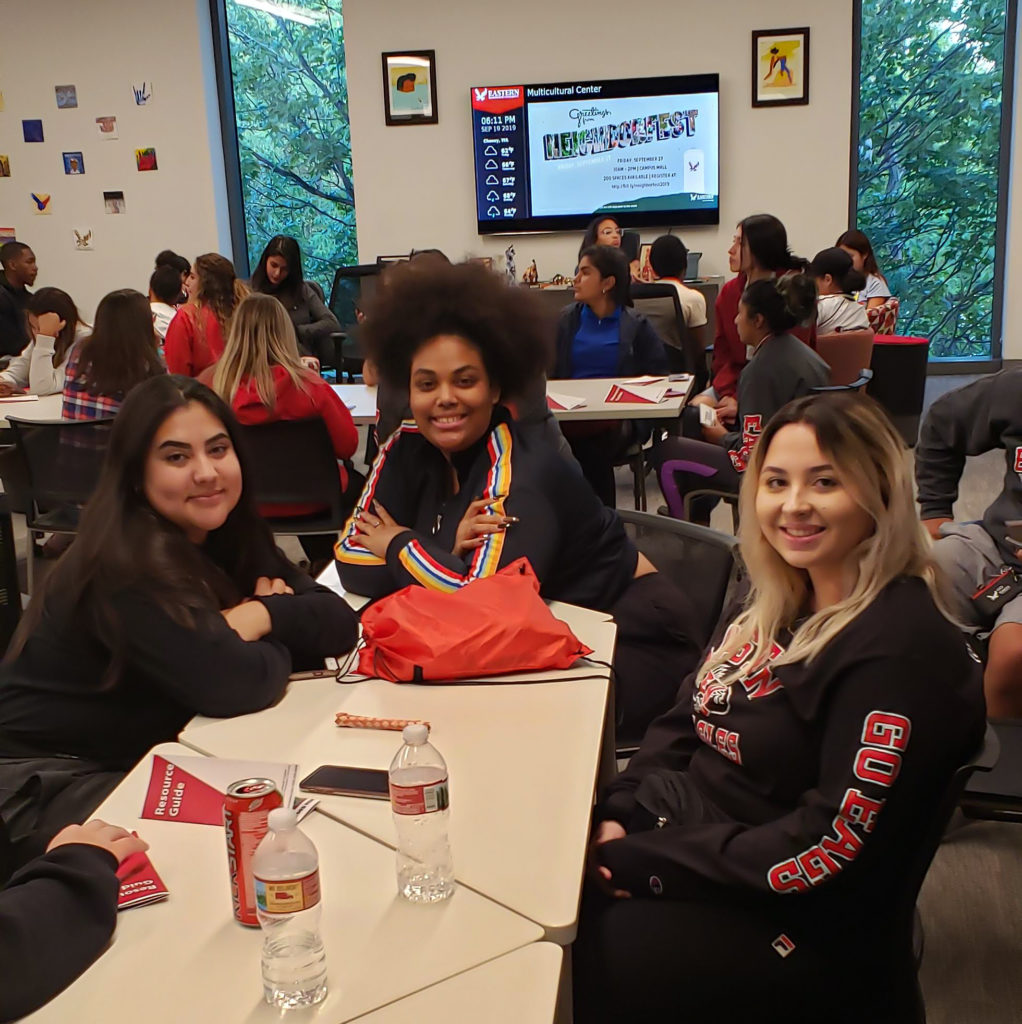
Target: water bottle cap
415,734
282,819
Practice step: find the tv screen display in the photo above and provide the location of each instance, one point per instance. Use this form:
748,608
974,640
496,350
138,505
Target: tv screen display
550,157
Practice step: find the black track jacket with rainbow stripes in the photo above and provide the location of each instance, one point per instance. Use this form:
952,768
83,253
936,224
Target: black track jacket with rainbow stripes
577,547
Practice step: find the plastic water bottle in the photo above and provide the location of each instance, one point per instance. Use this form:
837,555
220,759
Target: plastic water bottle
419,800
285,868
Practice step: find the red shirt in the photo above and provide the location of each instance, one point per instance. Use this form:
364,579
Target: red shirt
194,341
318,400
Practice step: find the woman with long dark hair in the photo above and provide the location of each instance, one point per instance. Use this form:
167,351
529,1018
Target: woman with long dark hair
56,327
876,290
120,353
759,250
279,273
196,335
713,457
599,335
173,601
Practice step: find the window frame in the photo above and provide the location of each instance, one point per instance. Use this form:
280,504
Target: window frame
995,362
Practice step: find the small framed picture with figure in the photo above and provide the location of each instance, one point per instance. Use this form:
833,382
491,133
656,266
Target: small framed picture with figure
409,87
780,67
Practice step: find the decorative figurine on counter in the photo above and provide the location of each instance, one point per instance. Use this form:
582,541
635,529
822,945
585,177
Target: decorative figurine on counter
509,264
531,275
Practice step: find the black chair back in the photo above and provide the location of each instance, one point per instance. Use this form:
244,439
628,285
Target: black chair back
62,458
10,589
660,303
703,562
353,288
293,462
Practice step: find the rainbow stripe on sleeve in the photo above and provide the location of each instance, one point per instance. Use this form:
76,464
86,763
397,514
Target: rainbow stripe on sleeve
485,561
349,548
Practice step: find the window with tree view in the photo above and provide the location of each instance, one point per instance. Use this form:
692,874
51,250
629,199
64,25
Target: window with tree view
291,107
931,80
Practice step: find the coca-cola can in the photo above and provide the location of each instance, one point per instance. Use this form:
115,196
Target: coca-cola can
246,808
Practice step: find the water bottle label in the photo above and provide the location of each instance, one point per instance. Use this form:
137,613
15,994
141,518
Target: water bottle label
419,799
287,897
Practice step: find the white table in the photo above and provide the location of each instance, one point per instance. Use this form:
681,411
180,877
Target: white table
523,760
46,408
517,988
187,959
595,390
360,400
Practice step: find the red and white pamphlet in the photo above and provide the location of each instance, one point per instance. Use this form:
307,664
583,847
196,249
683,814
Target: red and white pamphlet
557,400
192,789
641,391
140,884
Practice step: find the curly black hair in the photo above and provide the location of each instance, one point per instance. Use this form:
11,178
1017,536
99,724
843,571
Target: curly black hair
427,297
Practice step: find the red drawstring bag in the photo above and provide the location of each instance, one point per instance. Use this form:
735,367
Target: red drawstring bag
490,626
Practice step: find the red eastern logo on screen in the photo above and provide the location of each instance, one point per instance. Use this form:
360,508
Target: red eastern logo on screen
498,99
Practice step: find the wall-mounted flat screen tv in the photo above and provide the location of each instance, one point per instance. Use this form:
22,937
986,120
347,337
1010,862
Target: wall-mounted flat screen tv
549,157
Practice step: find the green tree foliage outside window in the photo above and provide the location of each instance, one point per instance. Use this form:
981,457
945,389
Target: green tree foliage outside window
291,104
931,79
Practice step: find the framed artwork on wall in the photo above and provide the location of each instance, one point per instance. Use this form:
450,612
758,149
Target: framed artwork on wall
409,87
780,67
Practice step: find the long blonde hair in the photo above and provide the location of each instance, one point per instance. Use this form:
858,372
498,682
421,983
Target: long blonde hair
261,337
856,436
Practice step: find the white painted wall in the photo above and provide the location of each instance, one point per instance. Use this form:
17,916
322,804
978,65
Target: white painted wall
414,184
103,47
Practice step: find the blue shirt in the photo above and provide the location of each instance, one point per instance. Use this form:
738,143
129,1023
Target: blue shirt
595,352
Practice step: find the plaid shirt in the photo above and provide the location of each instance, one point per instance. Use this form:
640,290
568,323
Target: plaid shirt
78,403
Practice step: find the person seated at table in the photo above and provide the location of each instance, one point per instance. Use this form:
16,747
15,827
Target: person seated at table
876,291
980,417
195,337
164,291
604,230
58,912
770,823
279,273
837,281
120,352
460,491
600,336
18,270
759,251
55,327
262,377
173,601
669,259
169,258
713,457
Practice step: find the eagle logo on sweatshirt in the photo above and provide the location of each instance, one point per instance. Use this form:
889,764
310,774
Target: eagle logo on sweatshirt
712,697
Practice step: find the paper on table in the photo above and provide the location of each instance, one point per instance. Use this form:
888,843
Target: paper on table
140,883
557,400
20,398
642,380
638,393
192,789
679,386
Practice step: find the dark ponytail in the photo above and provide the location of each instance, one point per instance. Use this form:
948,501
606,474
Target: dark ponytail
783,302
767,240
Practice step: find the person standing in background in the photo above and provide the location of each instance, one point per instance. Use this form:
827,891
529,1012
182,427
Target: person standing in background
18,270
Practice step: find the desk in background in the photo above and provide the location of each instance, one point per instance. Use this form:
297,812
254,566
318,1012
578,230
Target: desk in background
46,408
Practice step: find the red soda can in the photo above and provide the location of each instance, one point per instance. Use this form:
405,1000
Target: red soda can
246,807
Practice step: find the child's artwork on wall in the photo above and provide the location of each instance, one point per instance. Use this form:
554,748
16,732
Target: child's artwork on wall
32,130
5,165
145,159
41,202
113,202
106,127
74,163
67,97
83,239
143,93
